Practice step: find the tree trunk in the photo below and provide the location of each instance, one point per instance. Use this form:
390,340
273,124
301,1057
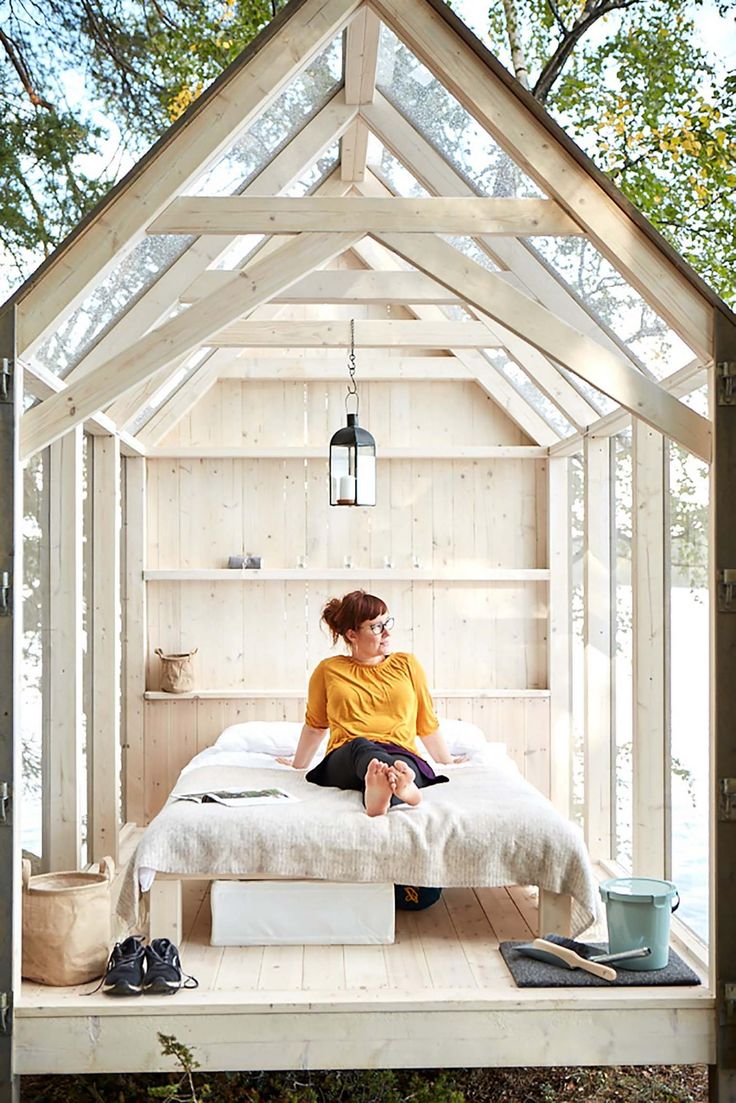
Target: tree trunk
517,53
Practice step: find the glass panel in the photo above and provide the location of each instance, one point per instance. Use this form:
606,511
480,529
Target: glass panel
173,383
242,248
393,173
446,124
689,678
612,300
35,629
131,277
698,401
529,390
623,648
270,131
135,273
577,524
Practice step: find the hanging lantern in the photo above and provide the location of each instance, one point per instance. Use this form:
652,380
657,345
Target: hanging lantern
352,451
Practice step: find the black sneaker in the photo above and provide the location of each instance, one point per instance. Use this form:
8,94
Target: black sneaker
164,974
124,973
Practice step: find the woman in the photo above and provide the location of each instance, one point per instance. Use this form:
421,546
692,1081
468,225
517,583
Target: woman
375,703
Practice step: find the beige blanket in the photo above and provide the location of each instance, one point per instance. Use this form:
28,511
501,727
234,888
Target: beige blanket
486,827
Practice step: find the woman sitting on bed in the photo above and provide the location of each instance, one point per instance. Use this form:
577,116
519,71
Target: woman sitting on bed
375,704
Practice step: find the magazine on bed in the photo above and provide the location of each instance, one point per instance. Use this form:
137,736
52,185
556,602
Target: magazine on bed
239,798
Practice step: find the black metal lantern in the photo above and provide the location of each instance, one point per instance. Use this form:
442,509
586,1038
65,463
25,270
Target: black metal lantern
352,451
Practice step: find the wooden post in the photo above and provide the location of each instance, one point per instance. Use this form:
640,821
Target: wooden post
134,637
598,642
11,627
62,829
723,1075
650,759
104,742
559,644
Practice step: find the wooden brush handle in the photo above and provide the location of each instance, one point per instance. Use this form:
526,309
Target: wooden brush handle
575,961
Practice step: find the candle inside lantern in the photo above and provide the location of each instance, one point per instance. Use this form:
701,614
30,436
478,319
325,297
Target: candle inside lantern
347,491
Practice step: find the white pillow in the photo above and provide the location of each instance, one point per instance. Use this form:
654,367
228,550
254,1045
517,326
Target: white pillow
462,737
263,736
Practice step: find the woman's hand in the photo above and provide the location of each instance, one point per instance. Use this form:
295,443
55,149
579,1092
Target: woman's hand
285,760
458,758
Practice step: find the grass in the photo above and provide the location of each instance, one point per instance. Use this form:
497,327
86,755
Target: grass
655,1084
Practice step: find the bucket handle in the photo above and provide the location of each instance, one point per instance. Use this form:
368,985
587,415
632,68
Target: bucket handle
676,905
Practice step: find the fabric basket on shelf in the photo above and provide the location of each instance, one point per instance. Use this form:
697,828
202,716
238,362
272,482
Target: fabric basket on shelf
177,671
66,924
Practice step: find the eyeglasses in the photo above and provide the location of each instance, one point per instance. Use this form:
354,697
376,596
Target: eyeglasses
381,626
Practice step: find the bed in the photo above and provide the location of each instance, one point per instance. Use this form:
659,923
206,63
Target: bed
487,827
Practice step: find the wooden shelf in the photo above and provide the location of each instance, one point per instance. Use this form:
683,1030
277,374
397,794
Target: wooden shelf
307,574
291,695
319,452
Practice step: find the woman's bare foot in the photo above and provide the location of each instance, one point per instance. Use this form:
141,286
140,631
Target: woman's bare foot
378,791
401,778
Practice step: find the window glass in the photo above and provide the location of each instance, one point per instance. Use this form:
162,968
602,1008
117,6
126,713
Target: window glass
35,645
529,390
577,583
623,648
689,681
436,113
134,273
614,302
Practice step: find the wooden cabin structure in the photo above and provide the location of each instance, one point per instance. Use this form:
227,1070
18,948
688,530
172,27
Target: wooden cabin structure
172,376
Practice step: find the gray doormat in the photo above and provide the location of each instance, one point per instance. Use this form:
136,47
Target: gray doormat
530,973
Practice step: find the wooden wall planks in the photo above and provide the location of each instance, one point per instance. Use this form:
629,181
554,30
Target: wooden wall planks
266,635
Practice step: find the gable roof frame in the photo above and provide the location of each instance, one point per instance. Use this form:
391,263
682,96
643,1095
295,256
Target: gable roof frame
543,374
435,172
531,137
277,54
278,174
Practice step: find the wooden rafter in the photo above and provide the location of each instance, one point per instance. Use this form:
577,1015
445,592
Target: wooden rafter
240,214
213,122
441,178
527,140
538,327
247,290
342,286
361,59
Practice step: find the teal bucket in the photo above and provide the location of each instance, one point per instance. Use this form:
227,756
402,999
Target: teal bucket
638,911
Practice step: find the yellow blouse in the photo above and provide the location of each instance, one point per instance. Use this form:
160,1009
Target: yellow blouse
388,702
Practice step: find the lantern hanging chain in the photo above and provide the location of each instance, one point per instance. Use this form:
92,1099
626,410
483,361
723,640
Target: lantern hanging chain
352,389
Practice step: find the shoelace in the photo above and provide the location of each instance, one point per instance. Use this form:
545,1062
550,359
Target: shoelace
128,957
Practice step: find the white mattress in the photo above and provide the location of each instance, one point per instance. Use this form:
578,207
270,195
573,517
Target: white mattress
487,827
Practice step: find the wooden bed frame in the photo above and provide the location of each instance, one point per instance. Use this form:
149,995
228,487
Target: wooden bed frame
165,914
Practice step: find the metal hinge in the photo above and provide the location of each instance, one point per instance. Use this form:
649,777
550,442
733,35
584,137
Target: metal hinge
727,799
6,380
726,590
6,1012
726,383
729,1001
5,790
6,594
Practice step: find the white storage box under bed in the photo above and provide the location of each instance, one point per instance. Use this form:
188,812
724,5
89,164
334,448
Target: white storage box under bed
296,913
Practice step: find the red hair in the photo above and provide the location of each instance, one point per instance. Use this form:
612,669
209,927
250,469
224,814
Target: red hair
341,615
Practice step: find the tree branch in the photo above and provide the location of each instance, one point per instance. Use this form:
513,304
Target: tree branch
16,60
518,60
591,14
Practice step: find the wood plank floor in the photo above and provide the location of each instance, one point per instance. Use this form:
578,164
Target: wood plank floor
445,952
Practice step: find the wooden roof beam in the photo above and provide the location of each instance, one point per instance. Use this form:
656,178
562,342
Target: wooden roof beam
213,121
368,335
528,141
331,285
256,284
361,59
324,368
241,214
538,327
